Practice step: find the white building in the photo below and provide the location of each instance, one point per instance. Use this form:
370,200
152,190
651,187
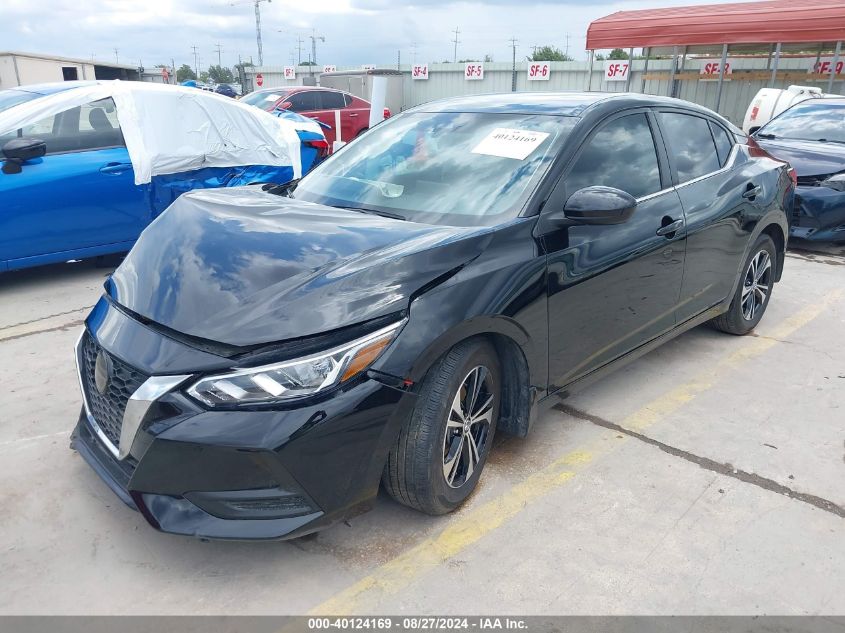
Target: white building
19,69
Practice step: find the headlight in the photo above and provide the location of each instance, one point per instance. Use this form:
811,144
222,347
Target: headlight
836,181
295,378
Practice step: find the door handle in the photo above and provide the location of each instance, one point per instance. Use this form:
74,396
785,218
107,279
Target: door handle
752,191
353,114
669,229
115,168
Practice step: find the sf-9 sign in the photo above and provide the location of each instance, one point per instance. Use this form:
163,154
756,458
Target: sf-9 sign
474,71
616,69
419,71
539,71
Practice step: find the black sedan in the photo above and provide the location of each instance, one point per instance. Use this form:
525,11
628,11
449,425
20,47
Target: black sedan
265,358
810,136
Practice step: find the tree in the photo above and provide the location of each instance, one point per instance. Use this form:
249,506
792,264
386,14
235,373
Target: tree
617,53
204,76
184,73
549,54
488,58
220,75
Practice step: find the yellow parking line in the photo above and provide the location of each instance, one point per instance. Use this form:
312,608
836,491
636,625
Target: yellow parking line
471,524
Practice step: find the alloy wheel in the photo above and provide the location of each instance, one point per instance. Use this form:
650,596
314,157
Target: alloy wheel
756,284
468,427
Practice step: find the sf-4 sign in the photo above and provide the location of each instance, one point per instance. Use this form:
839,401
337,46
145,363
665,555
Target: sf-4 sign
419,71
616,69
539,71
473,71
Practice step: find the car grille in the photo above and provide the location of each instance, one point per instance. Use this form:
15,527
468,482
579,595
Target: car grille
107,408
812,181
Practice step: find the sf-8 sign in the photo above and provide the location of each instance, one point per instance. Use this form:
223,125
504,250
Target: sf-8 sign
473,71
616,69
539,71
419,71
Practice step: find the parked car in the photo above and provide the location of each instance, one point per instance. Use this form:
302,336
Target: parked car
811,137
770,102
336,109
226,90
445,277
70,186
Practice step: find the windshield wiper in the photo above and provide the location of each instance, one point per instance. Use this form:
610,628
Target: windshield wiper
384,214
830,140
765,135
282,189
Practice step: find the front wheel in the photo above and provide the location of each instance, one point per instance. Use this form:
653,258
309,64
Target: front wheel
440,452
754,292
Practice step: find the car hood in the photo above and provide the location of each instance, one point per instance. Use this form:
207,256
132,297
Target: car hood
809,158
243,267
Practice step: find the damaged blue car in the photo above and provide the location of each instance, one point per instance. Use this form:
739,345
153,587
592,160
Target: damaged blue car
87,166
810,136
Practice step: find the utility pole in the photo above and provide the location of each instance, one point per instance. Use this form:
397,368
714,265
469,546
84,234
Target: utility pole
173,69
116,60
456,42
566,50
399,59
257,25
513,68
299,42
196,62
314,37
219,50
413,52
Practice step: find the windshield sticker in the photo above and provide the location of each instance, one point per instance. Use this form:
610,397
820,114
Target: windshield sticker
510,143
272,97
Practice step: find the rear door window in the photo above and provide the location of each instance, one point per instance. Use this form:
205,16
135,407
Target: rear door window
691,146
331,100
724,145
621,155
304,101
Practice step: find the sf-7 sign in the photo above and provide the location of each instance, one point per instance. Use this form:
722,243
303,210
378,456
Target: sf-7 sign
616,69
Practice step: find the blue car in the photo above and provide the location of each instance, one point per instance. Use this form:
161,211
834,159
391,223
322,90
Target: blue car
69,187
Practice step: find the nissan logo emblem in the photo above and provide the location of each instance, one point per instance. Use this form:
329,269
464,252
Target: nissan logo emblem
102,372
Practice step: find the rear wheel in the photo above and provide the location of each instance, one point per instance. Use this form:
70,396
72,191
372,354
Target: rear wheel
754,292
441,451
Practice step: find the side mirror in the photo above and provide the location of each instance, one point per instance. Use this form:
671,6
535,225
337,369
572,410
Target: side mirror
599,205
285,105
19,150
753,129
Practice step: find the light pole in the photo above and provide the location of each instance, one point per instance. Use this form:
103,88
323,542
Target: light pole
314,37
257,25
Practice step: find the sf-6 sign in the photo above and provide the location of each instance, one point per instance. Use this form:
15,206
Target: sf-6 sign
419,71
474,71
616,69
539,71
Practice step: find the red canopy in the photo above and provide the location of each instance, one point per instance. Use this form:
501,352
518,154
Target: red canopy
739,23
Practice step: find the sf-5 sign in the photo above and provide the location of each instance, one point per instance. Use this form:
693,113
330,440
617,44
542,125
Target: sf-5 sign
616,69
474,71
539,71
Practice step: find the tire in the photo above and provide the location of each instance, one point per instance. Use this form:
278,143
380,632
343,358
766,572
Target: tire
755,286
432,467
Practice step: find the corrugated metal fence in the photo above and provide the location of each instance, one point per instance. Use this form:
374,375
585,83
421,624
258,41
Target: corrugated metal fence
447,80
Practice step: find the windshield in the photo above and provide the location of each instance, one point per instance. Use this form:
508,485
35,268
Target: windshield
263,99
812,120
460,169
9,98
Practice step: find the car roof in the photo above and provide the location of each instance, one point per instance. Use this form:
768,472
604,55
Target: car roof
301,89
559,103
53,87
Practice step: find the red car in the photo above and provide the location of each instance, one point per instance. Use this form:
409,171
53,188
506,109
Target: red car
326,105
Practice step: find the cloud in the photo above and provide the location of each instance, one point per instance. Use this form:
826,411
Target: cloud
356,31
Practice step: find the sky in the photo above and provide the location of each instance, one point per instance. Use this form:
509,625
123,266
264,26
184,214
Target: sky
356,32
